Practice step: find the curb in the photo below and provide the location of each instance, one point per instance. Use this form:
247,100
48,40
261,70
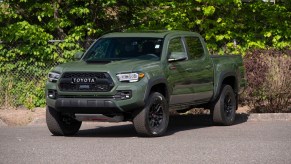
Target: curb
37,122
239,117
2,123
270,117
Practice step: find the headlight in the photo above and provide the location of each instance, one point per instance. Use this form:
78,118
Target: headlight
53,76
130,77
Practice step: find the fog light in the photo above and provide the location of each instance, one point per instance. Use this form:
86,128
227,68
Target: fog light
123,95
52,94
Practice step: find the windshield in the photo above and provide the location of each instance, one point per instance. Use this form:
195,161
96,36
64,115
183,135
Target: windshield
121,48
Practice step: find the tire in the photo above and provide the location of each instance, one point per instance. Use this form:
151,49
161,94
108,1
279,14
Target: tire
223,110
153,119
60,125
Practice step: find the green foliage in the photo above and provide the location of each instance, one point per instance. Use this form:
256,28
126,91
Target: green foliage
250,25
22,89
26,52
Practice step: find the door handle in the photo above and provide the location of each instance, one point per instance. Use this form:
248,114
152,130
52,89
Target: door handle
189,69
172,67
208,66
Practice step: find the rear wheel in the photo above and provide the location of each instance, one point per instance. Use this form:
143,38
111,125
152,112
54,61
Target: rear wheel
61,125
152,121
223,110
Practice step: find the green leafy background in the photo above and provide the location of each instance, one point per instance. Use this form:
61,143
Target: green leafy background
36,35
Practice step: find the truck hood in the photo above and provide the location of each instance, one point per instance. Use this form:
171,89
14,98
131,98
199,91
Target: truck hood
113,67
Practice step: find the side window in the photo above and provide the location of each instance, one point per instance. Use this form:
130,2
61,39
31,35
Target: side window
176,49
195,47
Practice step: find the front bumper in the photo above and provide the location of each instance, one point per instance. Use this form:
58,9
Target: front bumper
86,106
97,102
92,105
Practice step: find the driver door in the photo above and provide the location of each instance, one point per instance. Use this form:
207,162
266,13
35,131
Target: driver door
179,72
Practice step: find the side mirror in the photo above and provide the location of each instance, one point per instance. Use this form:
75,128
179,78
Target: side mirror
78,55
177,56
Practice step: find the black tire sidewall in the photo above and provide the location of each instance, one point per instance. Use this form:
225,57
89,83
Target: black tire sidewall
163,127
141,117
56,125
227,90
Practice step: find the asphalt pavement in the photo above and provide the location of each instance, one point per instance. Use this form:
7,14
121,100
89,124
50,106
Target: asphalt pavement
190,139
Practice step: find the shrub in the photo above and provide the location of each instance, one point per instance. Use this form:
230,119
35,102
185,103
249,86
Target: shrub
269,80
20,89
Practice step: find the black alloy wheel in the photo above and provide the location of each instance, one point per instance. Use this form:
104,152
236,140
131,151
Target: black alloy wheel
156,114
228,105
153,119
223,109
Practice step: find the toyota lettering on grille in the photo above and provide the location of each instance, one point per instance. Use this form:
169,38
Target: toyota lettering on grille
84,80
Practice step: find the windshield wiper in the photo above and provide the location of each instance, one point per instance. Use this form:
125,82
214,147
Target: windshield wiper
98,61
104,60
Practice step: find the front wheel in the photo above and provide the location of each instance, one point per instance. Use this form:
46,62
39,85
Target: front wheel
60,125
223,110
152,121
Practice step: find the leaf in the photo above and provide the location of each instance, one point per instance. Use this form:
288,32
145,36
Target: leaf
268,34
209,10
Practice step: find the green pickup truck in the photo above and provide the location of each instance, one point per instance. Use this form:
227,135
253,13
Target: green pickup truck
141,77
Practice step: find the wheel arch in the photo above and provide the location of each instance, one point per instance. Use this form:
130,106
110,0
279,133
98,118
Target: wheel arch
157,85
226,78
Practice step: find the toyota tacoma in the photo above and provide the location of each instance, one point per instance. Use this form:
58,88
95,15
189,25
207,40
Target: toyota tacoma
140,77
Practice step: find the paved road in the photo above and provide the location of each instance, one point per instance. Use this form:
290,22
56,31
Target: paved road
190,139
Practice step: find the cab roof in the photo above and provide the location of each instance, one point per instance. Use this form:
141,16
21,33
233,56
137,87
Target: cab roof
152,34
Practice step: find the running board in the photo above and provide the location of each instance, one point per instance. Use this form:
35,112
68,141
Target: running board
98,117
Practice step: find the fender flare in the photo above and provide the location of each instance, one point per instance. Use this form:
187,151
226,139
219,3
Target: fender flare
154,81
223,76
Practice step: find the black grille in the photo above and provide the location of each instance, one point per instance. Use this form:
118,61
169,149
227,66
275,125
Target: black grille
102,82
